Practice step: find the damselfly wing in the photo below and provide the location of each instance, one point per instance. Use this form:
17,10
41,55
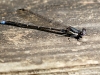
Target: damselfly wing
38,19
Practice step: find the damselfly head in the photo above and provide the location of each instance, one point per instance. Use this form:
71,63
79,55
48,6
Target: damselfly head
80,34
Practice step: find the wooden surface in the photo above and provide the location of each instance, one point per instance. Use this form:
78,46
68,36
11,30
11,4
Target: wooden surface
32,52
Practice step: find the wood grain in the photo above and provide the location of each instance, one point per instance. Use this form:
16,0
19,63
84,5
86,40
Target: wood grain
32,52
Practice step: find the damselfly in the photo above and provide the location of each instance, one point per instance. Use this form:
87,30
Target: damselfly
68,31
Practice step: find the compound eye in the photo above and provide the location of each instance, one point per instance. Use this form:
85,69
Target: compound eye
83,31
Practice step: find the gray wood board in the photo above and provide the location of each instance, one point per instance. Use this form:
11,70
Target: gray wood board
27,51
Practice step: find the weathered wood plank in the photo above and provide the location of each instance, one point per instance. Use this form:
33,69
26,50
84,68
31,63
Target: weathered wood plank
27,51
